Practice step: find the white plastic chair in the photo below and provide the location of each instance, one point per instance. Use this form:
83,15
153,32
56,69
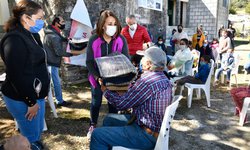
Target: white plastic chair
245,108
195,70
205,87
245,76
50,98
234,71
163,138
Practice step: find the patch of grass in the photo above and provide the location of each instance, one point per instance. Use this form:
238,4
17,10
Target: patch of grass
240,41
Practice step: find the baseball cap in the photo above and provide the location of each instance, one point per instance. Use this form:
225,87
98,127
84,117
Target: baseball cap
155,55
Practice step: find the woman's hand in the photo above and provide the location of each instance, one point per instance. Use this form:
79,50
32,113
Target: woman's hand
32,111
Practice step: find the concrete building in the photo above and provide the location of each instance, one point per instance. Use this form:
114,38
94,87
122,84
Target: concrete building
190,13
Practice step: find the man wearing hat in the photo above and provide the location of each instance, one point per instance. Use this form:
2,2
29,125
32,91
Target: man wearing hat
148,96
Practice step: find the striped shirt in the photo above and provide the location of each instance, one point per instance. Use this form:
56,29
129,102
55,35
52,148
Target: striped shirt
149,97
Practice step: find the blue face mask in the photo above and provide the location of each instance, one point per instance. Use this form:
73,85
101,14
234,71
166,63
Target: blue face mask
37,27
202,63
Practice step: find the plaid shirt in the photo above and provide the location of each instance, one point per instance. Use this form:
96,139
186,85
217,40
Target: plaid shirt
149,97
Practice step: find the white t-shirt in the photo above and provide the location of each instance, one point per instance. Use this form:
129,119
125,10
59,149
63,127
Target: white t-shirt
178,36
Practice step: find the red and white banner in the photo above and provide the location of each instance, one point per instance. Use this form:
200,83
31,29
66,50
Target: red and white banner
81,27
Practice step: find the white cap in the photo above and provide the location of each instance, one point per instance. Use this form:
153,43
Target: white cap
156,55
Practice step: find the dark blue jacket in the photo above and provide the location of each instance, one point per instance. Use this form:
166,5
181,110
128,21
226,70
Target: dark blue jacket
203,73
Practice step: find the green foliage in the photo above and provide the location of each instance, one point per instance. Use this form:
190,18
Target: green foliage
247,9
232,10
239,3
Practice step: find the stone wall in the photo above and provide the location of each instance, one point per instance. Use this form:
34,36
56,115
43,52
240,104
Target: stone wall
222,15
156,21
203,12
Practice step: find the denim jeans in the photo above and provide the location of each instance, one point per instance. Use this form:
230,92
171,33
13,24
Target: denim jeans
116,132
247,67
30,129
96,103
57,84
219,71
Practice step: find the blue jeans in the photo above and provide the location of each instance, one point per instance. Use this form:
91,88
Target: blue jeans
219,71
30,129
96,103
117,133
247,67
57,84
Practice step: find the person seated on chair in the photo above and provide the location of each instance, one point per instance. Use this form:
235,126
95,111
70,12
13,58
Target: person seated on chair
227,63
238,95
180,58
160,43
148,96
201,76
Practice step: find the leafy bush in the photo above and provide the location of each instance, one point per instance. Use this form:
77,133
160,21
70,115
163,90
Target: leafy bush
232,11
247,9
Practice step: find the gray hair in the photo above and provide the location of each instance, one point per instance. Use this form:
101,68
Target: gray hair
131,16
154,67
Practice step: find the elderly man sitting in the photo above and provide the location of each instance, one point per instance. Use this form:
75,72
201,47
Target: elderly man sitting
148,96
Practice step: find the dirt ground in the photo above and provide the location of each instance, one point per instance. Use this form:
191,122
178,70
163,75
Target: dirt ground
196,128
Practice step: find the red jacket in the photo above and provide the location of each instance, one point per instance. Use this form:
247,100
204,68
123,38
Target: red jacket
136,43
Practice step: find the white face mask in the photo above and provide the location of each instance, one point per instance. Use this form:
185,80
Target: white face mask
133,27
160,42
111,30
182,47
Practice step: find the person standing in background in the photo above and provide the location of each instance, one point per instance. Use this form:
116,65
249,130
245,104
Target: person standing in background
178,36
136,36
53,44
198,40
220,31
172,42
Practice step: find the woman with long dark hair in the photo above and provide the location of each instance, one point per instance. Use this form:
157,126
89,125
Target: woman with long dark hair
106,41
27,79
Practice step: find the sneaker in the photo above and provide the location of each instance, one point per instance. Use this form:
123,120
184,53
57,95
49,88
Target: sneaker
37,146
91,129
64,103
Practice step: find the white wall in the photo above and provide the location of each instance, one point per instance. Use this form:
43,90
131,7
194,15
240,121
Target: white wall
4,11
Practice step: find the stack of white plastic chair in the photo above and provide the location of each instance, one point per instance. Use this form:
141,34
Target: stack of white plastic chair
163,138
205,87
234,71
